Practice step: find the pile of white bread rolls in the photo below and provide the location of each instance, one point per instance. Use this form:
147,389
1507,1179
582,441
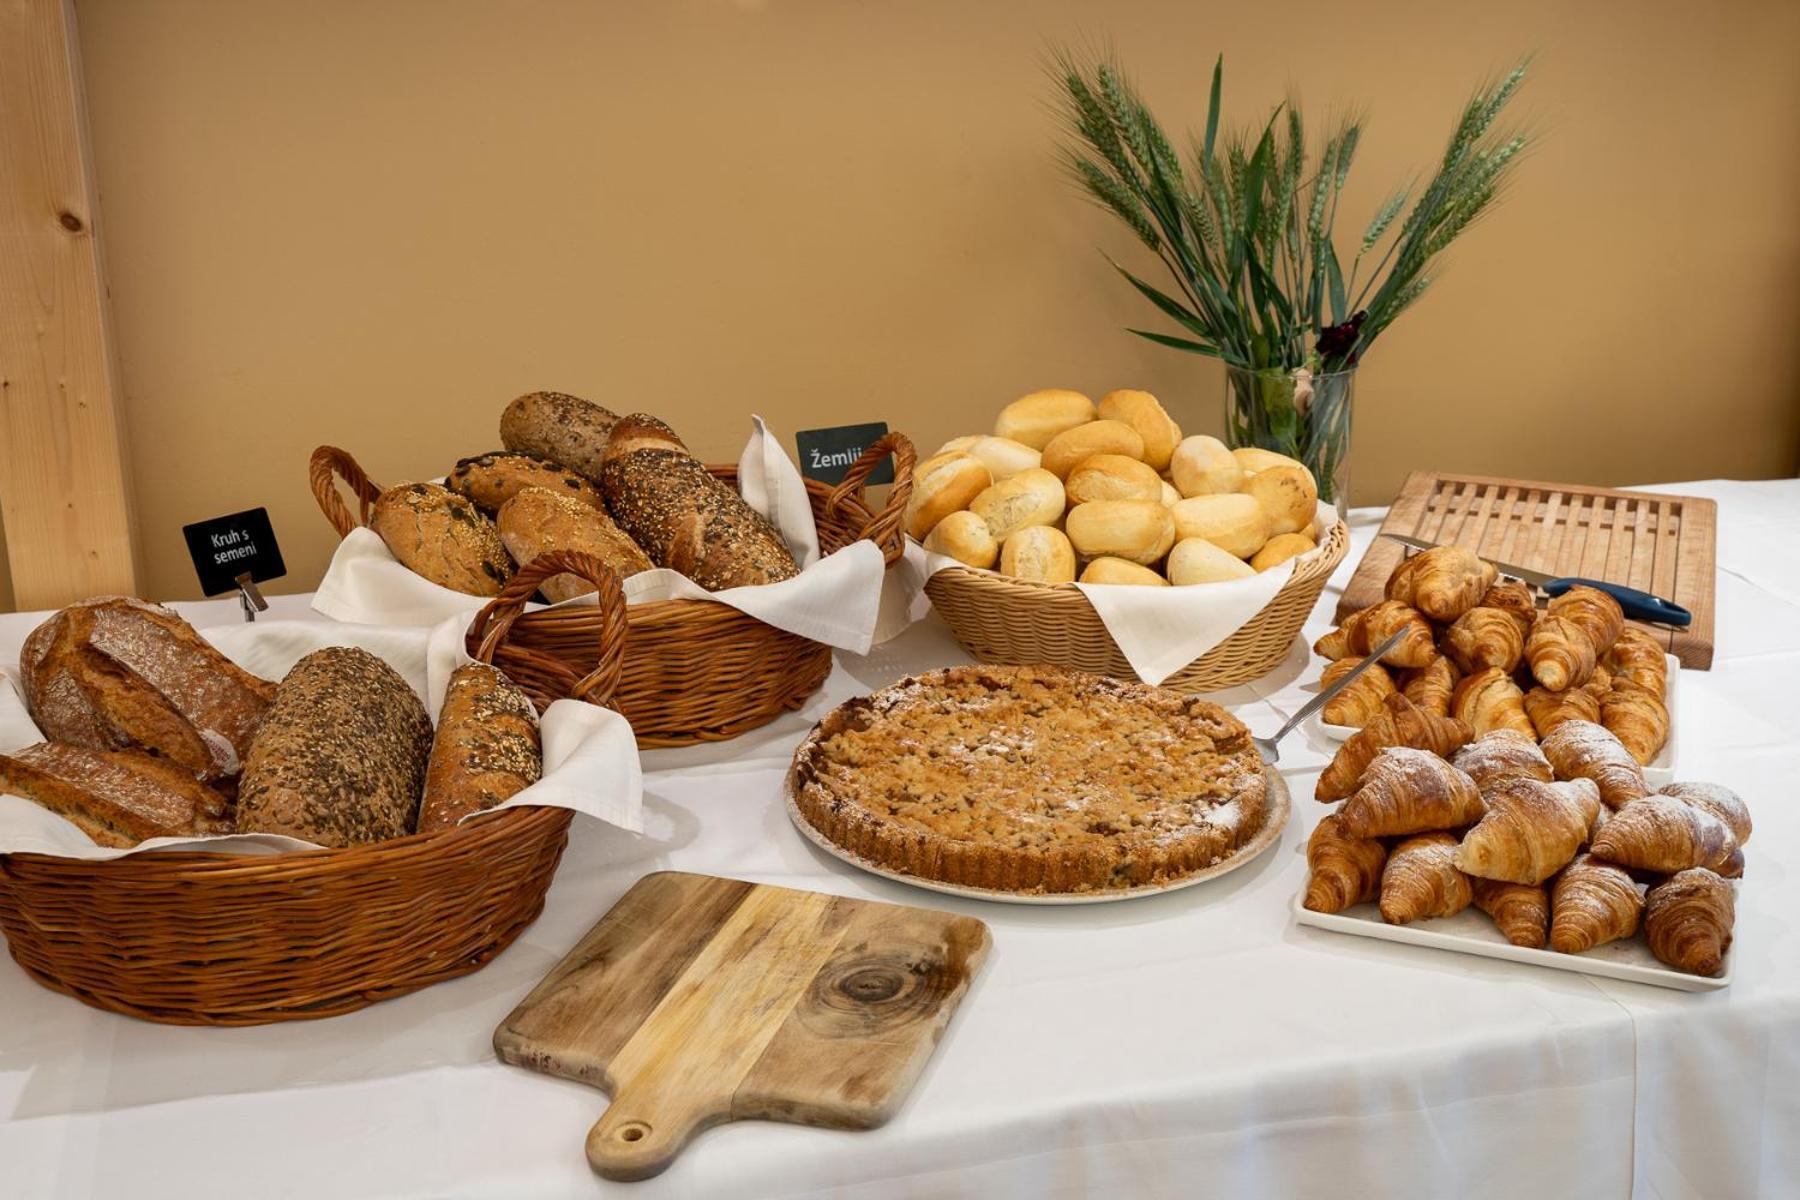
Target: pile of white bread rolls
1112,490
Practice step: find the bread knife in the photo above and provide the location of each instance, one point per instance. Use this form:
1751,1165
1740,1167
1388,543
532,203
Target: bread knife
1638,605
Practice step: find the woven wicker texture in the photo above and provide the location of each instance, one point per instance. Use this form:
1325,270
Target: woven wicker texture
218,939
694,670
1020,622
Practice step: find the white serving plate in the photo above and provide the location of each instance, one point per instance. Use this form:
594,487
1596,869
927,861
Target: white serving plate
1472,932
1280,807
1660,770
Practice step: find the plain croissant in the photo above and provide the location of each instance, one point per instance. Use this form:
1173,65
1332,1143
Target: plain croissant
1531,831
1584,750
1548,709
1485,637
1399,723
1514,597
1410,791
1490,700
1662,833
1637,718
1345,870
1503,754
1367,628
1358,703
1560,652
1421,880
1444,582
1592,903
1521,911
1718,800
1595,612
1637,657
1688,919
1430,686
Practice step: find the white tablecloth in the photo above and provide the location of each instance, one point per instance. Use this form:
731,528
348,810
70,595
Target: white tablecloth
1193,1044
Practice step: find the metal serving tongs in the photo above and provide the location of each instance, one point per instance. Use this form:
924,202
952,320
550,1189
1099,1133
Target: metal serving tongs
1267,746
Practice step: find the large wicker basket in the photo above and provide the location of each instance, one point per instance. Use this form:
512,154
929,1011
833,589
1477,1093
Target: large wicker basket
222,939
695,670
1021,622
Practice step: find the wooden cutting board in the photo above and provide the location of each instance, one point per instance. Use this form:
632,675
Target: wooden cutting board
1661,544
700,1000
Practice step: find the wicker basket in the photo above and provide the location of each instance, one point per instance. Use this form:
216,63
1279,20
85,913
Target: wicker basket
220,939
1021,622
695,670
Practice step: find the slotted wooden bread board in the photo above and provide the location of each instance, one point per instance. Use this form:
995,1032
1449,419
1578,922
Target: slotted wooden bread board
1661,544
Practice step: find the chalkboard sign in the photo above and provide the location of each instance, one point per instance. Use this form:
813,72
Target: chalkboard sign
225,547
828,454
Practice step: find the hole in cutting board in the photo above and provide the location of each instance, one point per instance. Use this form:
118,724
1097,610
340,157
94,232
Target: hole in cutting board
633,1132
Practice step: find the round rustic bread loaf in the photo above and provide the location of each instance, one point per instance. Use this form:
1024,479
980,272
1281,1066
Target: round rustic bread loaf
560,428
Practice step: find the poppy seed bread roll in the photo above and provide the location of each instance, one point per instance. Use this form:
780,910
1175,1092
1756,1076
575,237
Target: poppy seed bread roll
671,505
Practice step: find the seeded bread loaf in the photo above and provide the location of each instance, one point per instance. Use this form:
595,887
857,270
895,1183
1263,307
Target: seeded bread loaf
117,797
491,479
341,756
443,537
560,428
538,520
486,749
670,504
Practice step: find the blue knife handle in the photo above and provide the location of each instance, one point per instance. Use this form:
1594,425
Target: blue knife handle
1639,606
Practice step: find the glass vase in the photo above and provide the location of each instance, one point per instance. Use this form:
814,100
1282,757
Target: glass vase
1296,413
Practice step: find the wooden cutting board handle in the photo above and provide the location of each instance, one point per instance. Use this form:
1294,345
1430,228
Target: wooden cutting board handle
642,1132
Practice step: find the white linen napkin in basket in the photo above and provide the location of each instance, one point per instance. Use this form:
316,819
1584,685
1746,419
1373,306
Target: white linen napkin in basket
590,755
836,599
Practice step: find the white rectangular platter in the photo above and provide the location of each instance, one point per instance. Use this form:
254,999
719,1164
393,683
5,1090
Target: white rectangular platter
1471,932
1662,768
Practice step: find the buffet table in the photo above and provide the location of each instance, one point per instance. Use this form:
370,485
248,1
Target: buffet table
1197,1043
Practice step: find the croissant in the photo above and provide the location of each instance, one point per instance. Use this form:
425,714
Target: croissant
1430,686
1600,682
1521,911
1345,870
1548,709
1485,637
1531,831
1592,903
1514,597
1399,723
1688,919
1584,750
1560,653
1718,800
1410,791
1638,657
1490,700
1421,880
1334,645
1662,833
1595,612
1637,718
1503,754
1733,866
1360,701
1443,583
1369,628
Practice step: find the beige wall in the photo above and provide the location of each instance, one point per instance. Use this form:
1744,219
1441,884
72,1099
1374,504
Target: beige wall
371,224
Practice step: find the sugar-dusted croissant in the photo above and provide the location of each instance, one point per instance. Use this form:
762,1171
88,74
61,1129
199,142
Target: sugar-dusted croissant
1345,870
1430,686
1688,919
1548,709
1503,754
1531,831
1733,866
1357,704
1637,718
1515,598
1638,657
1368,629
1560,653
1444,582
1592,903
1584,750
1594,611
1488,700
1399,723
1662,833
1410,791
1718,800
1521,911
1485,637
1421,880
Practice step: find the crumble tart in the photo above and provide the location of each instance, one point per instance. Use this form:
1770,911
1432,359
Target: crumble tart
1032,780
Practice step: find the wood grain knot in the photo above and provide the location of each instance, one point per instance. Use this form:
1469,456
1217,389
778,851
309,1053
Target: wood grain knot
860,996
70,222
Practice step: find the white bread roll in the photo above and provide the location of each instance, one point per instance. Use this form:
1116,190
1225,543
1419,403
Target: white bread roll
964,537
942,484
1117,570
1234,523
1038,552
1288,495
1113,477
1072,447
1033,497
1139,531
1280,548
1196,560
1202,466
1036,418
1003,457
1254,460
1144,413
1169,493
958,445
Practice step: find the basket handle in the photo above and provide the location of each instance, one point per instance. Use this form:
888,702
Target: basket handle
489,631
884,527
328,464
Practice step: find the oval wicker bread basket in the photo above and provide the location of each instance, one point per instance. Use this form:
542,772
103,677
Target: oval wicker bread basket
201,938
1020,622
695,670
